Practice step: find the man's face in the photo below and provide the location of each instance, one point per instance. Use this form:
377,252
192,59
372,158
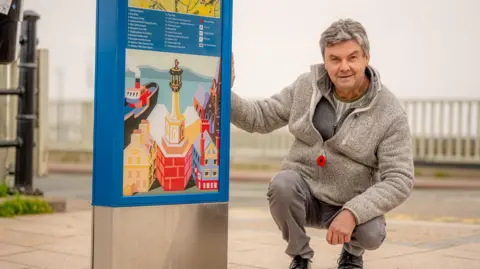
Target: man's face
346,63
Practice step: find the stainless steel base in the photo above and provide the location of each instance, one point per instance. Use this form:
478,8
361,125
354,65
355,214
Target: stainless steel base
161,237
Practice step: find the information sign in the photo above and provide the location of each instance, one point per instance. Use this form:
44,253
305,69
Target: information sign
162,102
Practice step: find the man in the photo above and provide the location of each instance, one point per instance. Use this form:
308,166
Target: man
351,160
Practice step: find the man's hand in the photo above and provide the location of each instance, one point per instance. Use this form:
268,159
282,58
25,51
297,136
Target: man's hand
341,229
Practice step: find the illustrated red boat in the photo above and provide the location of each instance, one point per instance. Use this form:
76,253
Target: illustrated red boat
138,96
139,103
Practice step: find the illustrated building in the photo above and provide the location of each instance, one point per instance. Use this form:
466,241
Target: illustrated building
216,89
213,109
205,159
200,100
139,161
197,161
215,92
174,158
207,105
204,106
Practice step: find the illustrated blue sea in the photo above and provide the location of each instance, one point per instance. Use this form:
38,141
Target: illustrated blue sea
191,82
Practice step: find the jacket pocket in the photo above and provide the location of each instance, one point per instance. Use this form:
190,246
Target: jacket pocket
303,129
359,135
359,140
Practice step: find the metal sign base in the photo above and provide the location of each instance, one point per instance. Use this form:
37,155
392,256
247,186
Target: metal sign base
187,236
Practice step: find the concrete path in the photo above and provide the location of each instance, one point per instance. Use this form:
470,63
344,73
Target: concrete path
61,241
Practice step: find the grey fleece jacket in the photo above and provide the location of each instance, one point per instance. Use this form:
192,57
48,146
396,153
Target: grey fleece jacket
369,168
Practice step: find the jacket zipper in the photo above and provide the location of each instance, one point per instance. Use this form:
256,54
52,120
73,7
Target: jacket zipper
317,90
342,119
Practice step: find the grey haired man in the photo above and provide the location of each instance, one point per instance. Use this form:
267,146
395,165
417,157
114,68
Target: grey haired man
351,160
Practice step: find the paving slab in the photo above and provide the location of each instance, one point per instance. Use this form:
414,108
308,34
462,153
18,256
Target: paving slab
48,259
9,265
79,245
24,239
9,249
424,260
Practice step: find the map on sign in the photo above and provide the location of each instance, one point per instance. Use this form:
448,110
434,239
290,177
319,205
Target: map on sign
206,8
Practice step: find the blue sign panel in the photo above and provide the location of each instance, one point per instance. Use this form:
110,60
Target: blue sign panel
162,102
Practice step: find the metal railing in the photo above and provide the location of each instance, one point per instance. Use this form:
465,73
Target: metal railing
444,131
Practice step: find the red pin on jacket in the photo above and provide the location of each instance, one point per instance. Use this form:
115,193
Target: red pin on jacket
321,160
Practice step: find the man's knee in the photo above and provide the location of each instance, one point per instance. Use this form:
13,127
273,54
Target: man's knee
283,185
371,234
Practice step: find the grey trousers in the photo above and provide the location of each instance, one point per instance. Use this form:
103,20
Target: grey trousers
293,208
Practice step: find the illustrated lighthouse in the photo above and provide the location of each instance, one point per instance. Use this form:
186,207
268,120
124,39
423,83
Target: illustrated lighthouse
175,153
175,121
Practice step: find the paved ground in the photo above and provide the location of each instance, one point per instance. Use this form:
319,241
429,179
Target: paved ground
444,241
63,241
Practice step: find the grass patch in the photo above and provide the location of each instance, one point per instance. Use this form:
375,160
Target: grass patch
3,190
24,205
17,205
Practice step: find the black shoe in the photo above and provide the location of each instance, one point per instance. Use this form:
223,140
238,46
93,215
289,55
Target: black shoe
349,261
300,263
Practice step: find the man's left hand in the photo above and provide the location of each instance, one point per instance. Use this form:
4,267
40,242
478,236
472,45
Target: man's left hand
341,229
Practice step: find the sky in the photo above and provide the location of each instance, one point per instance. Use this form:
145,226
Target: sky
422,49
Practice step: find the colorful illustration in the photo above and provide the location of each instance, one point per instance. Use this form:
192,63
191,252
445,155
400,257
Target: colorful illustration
172,123
207,8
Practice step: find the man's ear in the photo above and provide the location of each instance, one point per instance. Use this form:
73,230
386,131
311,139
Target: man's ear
367,58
